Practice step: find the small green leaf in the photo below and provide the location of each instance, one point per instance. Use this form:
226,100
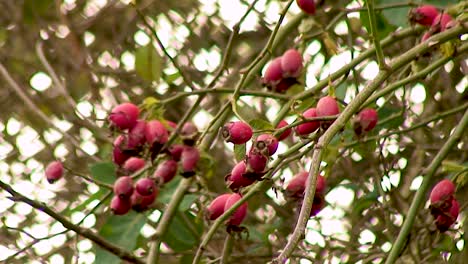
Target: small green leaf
239,152
122,231
187,201
383,26
184,232
260,124
148,63
103,172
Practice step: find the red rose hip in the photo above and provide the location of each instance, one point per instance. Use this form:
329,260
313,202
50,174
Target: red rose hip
216,208
423,15
140,202
145,186
123,187
307,6
236,179
133,165
237,132
54,171
120,206
156,133
442,191
124,116
365,121
286,133
166,171
308,127
238,216
267,142
273,73
189,159
291,63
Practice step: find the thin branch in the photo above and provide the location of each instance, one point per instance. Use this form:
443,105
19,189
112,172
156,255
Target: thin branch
87,233
374,34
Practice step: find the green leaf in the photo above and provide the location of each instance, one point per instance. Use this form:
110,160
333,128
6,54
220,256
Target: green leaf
187,201
168,190
390,117
260,124
239,152
97,196
148,63
365,202
383,26
184,232
122,231
340,91
103,172
206,165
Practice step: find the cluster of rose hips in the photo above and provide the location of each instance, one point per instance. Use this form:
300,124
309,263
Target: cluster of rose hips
140,140
283,71
444,206
429,16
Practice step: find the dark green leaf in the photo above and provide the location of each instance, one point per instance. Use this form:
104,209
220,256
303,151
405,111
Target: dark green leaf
122,231
148,63
184,232
187,201
103,172
383,27
260,124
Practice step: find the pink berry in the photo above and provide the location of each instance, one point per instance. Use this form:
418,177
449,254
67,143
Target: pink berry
124,116
237,132
54,171
216,208
145,186
189,129
140,202
237,178
424,15
268,142
442,191
308,127
365,121
166,171
256,161
286,133
120,206
307,6
171,125
327,106
189,159
291,63
440,22
176,151
273,73
238,216
296,186
156,133
136,135
133,165
123,187
119,156
445,220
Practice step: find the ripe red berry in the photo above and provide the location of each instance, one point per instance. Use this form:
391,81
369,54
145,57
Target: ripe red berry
291,63
423,15
166,171
124,116
296,186
237,132
307,6
133,165
189,159
237,178
308,127
442,191
119,156
256,161
176,151
123,187
120,206
140,202
216,208
266,142
446,219
238,216
156,133
145,186
327,106
136,135
365,121
273,73
54,171
286,133
440,22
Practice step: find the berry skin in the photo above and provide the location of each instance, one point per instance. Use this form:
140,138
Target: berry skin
124,116
291,63
442,191
156,133
256,161
237,132
238,216
141,203
54,171
145,186
189,159
136,135
440,22
273,73
266,142
423,15
133,165
445,220
175,151
119,156
296,186
166,171
216,208
120,206
237,178
308,127
307,6
365,121
123,187
327,106
286,133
